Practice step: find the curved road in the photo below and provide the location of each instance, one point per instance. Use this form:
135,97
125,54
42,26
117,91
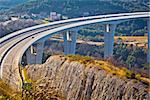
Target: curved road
13,46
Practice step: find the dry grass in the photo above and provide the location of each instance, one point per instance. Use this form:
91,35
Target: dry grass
8,93
25,76
82,59
147,80
143,39
119,71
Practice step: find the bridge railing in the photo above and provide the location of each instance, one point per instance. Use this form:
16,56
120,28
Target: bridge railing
66,21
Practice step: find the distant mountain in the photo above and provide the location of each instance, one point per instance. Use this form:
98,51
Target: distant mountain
74,8
7,4
78,8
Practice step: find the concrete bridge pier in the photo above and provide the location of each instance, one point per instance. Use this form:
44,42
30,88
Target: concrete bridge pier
34,53
109,40
148,54
70,38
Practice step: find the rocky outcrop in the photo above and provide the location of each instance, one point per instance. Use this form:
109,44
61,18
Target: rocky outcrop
75,81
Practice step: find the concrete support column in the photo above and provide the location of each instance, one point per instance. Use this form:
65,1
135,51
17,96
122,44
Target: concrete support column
70,38
66,42
148,54
34,53
109,40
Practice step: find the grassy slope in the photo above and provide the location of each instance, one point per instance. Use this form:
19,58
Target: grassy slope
119,71
8,93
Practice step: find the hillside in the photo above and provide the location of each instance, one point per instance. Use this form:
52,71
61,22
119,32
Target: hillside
78,8
12,26
77,77
75,8
7,4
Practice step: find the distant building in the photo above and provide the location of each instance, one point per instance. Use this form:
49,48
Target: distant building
64,17
14,18
11,20
59,16
54,16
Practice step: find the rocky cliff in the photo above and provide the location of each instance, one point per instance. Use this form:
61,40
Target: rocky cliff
73,80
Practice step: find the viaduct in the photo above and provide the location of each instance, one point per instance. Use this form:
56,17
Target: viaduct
14,45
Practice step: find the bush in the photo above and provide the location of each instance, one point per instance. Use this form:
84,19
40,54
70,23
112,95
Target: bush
27,86
81,59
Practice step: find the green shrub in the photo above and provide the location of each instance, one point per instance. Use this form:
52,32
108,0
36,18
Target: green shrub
27,86
81,59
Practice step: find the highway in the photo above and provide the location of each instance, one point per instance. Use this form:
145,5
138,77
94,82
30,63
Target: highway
66,21
13,46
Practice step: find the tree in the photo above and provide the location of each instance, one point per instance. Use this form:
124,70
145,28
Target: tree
130,61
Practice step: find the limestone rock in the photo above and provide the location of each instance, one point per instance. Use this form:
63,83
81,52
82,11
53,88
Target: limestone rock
74,81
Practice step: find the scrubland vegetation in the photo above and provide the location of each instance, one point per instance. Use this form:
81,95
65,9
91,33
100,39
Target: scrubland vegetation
115,70
7,93
128,56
